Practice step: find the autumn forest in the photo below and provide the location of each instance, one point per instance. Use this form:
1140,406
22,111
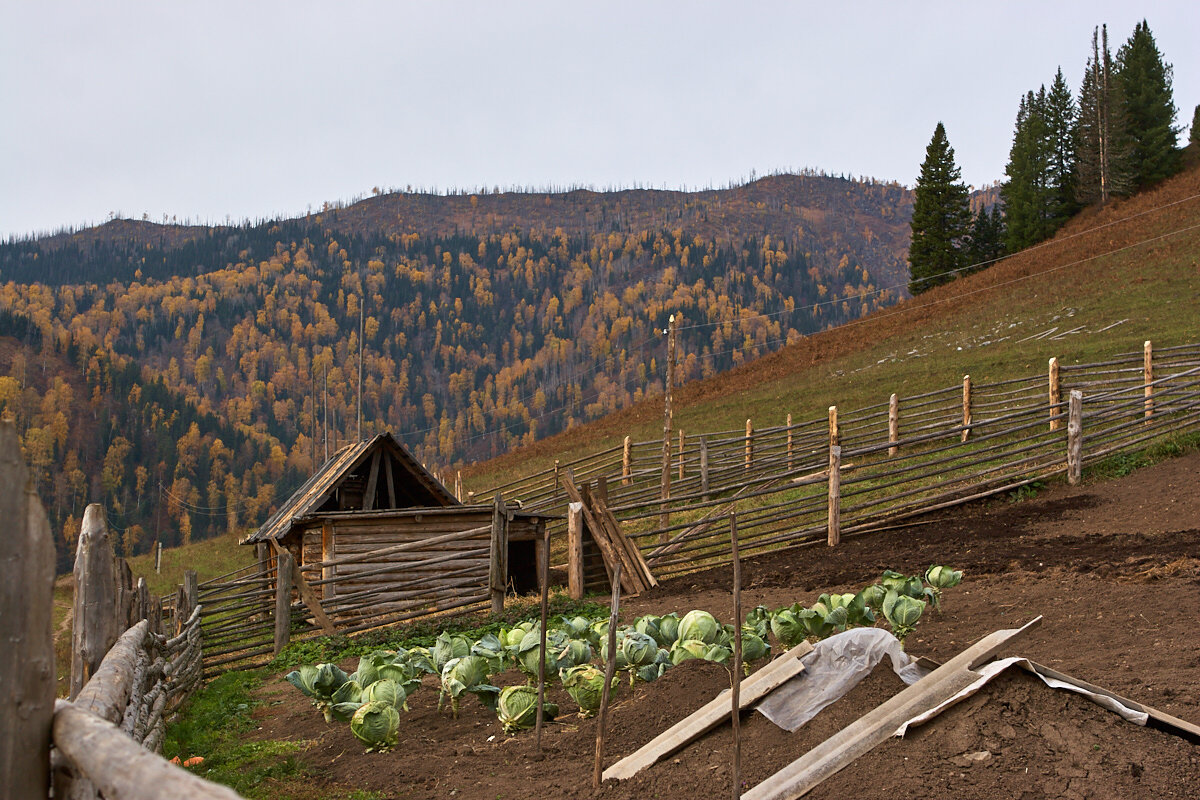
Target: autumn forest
191,377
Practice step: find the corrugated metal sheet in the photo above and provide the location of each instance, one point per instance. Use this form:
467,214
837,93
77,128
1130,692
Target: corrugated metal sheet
316,490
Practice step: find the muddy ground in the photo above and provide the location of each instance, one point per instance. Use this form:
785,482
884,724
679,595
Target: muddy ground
1113,567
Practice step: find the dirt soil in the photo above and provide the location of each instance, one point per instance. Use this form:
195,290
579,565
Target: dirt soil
1113,567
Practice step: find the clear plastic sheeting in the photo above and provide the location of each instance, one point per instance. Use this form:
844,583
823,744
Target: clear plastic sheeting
834,667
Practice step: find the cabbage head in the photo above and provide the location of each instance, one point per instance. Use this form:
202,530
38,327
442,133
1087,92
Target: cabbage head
576,627
377,725
788,628
584,684
754,647
574,653
652,672
511,637
687,649
648,625
447,647
873,596
599,633
368,667
491,648
668,629
420,658
700,625
387,691
902,613
531,648
517,708
639,649
902,584
943,577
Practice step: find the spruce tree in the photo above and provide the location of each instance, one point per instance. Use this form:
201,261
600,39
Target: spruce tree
1060,127
941,218
1102,149
987,238
1027,193
1145,83
1194,136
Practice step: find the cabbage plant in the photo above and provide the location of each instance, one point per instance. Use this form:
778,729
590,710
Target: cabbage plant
940,578
584,684
516,708
345,701
558,654
758,621
319,684
377,725
902,613
386,691
447,648
787,627
466,675
687,649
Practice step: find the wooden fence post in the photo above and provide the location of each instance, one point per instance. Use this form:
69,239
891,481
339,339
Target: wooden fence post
1055,395
966,407
627,462
458,495
158,558
575,587
283,599
681,441
789,442
96,620
704,466
835,434
191,591
27,658
557,479
498,571
835,490
1148,377
125,595
749,444
1075,437
893,423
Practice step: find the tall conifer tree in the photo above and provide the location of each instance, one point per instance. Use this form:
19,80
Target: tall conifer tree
1194,136
941,218
1060,129
1026,193
1145,82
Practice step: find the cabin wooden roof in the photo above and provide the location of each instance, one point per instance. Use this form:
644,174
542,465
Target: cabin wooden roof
371,475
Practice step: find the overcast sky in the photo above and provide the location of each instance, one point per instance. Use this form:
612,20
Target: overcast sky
254,109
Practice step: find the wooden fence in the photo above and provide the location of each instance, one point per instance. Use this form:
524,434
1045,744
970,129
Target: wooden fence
851,473
129,674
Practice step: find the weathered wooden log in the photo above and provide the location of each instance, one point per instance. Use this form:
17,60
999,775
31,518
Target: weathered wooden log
96,622
283,599
119,767
1055,394
498,560
107,692
966,407
1148,377
575,574
1075,437
27,657
893,423
749,445
125,594
627,462
834,519
138,692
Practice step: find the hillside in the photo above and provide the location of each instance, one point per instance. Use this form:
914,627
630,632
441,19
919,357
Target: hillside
210,368
1110,279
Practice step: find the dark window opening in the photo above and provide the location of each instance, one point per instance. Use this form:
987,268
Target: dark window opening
522,567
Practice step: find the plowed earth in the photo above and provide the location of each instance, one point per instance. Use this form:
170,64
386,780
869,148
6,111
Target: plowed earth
1113,567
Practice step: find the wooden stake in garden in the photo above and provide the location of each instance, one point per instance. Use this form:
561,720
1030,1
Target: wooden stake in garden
835,496
610,669
736,717
893,423
541,694
665,517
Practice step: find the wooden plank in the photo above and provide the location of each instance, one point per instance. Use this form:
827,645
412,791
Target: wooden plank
606,547
834,522
391,481
634,560
704,719
620,545
27,658
372,482
878,725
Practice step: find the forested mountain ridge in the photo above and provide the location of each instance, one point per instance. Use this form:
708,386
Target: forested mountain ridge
178,374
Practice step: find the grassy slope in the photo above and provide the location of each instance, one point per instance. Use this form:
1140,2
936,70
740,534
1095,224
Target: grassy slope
1134,260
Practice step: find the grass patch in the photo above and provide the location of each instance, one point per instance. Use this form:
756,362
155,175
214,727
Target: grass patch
422,634
1118,465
